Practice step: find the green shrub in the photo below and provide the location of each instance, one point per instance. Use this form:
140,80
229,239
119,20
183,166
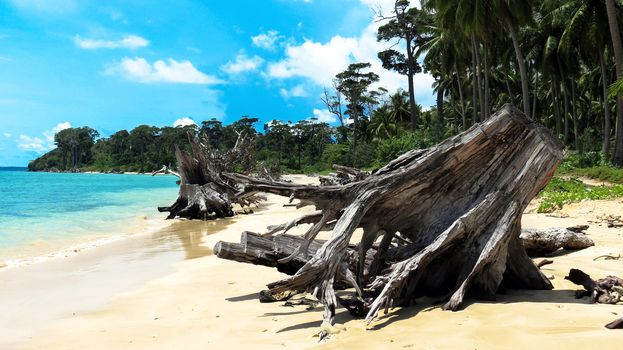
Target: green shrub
390,149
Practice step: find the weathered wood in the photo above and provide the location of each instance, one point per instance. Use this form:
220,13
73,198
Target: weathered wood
607,290
538,242
343,175
616,324
203,193
450,215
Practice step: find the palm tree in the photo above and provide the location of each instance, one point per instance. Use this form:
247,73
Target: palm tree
586,28
515,13
615,35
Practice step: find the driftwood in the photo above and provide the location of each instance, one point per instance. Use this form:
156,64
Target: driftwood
538,242
165,170
607,290
204,194
451,212
343,175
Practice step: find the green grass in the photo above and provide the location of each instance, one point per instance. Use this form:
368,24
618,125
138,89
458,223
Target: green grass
560,192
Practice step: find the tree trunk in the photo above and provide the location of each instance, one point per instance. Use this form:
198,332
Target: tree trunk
410,74
203,194
563,85
535,95
481,98
485,69
439,101
523,71
461,235
474,90
604,79
556,104
618,56
574,117
460,87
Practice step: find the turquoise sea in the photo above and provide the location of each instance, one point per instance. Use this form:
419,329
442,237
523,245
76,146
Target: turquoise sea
43,212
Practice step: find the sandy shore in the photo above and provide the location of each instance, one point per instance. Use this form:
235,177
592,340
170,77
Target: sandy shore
197,301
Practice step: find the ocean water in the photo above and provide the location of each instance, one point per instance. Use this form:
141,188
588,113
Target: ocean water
43,212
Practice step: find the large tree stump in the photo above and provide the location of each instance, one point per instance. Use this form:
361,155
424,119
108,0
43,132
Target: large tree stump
204,194
451,212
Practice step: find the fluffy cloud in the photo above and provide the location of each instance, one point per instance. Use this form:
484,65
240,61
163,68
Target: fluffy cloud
41,144
266,40
184,121
316,61
321,61
127,42
296,91
171,71
7,135
324,116
242,64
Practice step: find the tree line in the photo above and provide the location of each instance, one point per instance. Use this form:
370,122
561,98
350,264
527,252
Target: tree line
561,61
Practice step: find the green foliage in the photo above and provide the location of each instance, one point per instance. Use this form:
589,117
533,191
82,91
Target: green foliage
337,154
392,148
560,192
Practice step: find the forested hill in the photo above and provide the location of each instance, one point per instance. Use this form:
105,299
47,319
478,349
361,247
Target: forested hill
305,146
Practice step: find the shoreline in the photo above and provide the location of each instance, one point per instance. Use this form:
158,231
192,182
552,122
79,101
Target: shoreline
73,246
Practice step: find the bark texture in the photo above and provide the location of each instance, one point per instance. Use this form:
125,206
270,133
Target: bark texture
450,216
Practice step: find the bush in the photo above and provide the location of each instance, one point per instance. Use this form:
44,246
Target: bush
390,149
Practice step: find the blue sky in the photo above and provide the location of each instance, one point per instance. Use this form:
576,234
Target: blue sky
115,64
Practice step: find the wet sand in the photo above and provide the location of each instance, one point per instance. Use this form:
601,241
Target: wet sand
186,299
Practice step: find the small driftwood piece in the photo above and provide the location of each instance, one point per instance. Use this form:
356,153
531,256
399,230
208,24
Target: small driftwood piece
538,242
165,170
343,175
204,194
616,324
452,212
607,290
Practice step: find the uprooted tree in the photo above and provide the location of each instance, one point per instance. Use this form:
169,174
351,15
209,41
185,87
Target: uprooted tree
204,194
442,222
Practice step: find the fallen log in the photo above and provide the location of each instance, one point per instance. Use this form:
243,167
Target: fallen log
453,212
204,194
539,242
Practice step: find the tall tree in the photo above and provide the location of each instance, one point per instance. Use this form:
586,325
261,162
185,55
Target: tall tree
402,26
618,56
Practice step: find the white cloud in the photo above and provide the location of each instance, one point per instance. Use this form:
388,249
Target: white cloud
316,61
324,116
321,61
184,121
127,42
296,91
41,144
36,144
266,40
171,71
242,64
7,135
